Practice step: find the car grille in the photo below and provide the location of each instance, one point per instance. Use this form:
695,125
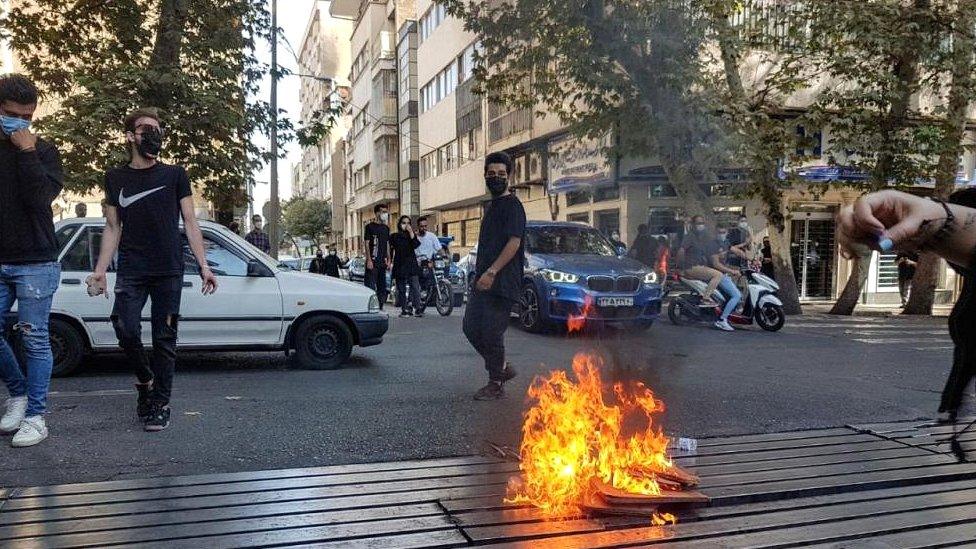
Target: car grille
618,313
626,284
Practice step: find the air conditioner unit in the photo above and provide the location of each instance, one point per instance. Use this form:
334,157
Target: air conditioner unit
519,177
535,167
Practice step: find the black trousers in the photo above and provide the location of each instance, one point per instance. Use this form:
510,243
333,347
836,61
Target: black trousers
376,280
962,328
164,292
413,298
485,321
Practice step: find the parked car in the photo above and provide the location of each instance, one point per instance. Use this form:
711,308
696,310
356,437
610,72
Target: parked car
296,263
259,306
357,269
573,270
466,266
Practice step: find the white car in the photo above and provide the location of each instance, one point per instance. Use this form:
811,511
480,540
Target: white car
258,306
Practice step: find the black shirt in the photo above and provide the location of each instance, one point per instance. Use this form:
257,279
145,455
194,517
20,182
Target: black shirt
331,265
504,218
377,237
905,269
29,183
699,249
644,249
148,203
404,258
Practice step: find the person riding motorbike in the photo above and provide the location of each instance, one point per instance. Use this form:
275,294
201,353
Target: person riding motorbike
700,259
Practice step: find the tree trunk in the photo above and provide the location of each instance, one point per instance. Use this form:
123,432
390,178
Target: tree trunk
848,299
789,292
922,296
165,58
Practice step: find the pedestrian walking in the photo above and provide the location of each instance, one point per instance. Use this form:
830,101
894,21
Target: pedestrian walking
145,200
498,274
333,263
317,265
767,259
377,237
30,180
907,262
406,270
257,237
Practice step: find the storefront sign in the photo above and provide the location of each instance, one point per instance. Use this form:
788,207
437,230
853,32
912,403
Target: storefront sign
577,164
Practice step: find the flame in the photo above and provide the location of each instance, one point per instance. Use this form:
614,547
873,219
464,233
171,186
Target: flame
576,323
572,436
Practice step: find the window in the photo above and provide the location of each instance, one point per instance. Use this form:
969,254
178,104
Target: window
661,190
223,261
887,271
606,193
727,216
436,15
472,229
65,234
440,86
808,144
579,218
465,64
429,166
450,152
84,253
607,221
575,198
454,230
358,65
662,220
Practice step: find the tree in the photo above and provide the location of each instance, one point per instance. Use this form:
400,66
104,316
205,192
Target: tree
880,56
193,59
308,218
960,94
641,69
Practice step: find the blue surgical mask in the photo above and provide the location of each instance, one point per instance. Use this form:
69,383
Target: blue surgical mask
11,124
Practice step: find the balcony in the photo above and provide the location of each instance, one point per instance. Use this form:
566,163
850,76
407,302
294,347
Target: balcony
344,9
382,46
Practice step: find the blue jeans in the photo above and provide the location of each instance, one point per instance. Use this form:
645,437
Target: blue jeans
32,286
732,295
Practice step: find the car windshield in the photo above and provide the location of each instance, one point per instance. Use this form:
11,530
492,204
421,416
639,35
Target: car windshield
567,240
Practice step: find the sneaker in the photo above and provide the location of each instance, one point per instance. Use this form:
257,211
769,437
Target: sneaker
724,325
32,431
946,417
405,314
419,315
14,416
158,418
492,391
508,373
144,404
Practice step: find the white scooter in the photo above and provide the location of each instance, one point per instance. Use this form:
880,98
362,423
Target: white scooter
760,303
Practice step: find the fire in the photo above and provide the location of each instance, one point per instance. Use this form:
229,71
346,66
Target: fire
571,436
576,323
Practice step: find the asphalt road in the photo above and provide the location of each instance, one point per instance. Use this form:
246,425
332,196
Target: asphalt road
411,396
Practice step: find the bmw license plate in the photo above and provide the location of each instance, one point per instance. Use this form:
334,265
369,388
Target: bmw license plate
615,302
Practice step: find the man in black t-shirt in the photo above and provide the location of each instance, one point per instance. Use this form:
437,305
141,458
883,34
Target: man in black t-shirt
377,236
144,201
498,272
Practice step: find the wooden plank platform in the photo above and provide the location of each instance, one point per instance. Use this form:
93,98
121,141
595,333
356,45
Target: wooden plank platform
879,485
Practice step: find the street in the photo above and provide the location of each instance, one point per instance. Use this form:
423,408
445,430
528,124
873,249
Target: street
411,396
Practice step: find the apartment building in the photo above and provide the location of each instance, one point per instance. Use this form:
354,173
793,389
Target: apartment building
378,170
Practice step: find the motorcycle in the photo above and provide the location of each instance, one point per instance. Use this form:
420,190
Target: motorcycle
759,303
435,285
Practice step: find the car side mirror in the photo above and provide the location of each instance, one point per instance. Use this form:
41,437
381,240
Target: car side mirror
456,257
254,268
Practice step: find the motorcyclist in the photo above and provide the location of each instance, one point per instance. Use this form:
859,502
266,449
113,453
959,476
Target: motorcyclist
700,258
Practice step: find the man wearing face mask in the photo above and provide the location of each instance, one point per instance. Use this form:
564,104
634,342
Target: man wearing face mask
30,180
257,237
317,266
144,202
377,236
498,275
740,244
694,257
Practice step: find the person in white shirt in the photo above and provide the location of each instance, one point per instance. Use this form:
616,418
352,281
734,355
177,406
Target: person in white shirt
430,245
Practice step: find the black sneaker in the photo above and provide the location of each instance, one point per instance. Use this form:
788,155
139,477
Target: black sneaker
144,404
419,314
158,419
492,391
405,314
508,373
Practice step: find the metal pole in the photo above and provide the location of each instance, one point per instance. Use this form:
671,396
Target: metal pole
275,202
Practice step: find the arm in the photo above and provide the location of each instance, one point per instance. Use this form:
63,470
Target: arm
97,283
195,238
368,247
40,172
719,266
511,248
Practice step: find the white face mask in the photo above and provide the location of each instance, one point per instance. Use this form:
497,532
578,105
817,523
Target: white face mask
384,217
743,225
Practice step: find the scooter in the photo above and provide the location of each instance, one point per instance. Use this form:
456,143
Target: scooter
759,303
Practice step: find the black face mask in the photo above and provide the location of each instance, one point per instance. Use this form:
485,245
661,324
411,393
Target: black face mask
496,185
151,143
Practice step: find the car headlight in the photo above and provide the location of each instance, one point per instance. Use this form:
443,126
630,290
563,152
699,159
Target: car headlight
374,304
650,278
559,276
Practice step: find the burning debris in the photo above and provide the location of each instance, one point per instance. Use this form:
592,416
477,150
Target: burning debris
576,457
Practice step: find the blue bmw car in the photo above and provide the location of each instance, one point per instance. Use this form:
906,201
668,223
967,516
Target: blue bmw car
569,265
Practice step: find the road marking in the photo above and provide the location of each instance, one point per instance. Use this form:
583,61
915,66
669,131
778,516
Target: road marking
938,348
889,332
107,392
887,340
856,326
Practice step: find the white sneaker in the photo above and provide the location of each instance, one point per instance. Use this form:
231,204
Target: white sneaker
16,408
724,325
32,431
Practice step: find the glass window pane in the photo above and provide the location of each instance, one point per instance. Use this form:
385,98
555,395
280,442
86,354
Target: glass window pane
79,257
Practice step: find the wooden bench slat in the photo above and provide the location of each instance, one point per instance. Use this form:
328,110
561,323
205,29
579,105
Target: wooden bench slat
436,539
788,453
372,482
753,467
491,534
351,500
246,476
750,447
767,437
936,536
192,517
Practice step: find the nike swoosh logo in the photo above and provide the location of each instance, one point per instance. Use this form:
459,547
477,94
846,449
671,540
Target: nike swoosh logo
126,202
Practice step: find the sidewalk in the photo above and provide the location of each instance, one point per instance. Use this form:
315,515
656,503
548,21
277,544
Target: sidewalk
823,307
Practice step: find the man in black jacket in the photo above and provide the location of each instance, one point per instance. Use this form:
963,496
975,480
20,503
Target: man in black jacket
30,179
